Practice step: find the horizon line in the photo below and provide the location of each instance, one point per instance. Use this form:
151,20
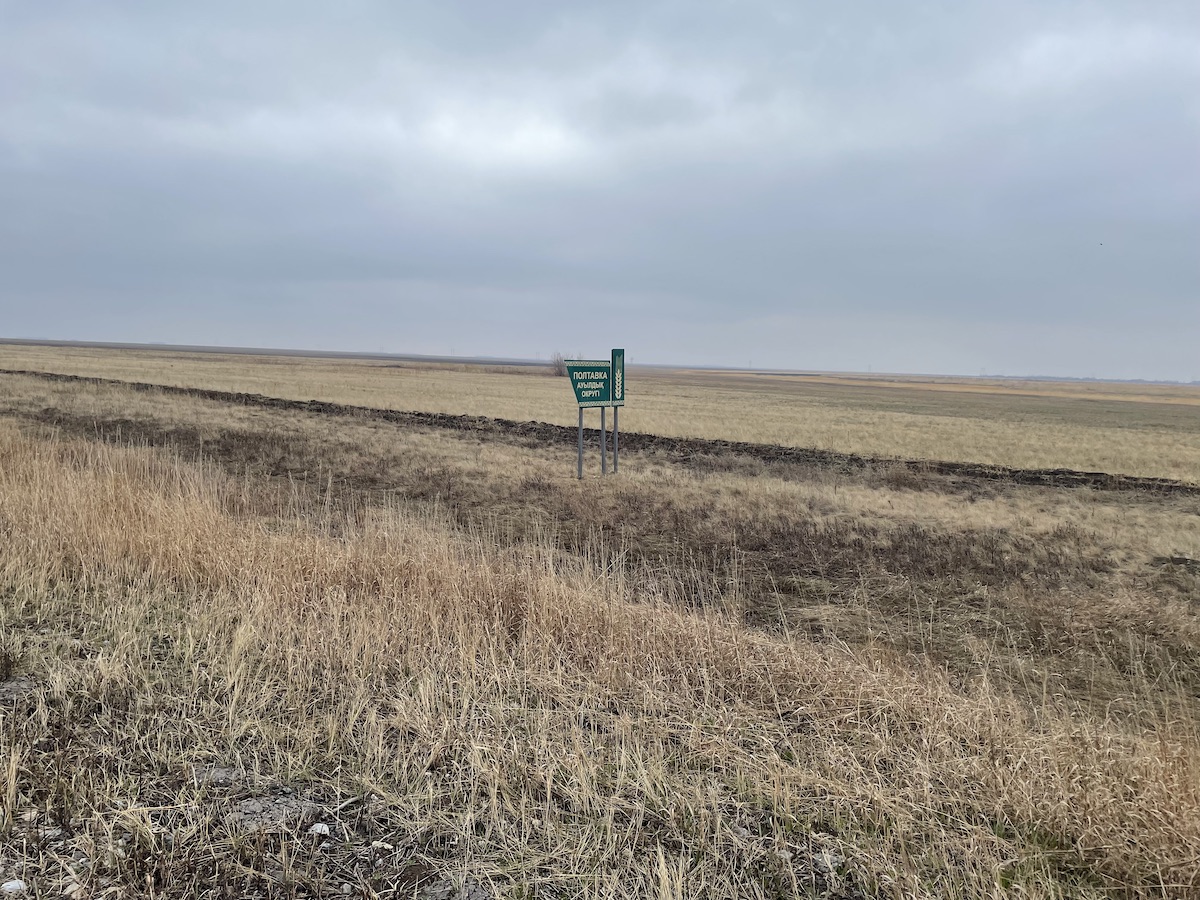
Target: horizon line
307,353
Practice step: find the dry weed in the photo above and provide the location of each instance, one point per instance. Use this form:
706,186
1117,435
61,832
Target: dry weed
517,717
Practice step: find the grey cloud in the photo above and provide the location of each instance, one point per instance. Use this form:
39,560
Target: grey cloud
465,176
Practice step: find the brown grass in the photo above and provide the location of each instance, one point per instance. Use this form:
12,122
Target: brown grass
1129,429
936,566
745,680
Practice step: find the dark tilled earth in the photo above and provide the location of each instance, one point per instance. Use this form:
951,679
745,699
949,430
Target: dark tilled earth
696,449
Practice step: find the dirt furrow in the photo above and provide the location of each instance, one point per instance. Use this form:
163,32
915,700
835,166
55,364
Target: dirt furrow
696,450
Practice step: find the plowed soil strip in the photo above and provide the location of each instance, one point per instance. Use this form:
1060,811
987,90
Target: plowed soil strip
684,449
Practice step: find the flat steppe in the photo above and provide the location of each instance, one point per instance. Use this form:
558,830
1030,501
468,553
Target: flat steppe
1133,429
301,650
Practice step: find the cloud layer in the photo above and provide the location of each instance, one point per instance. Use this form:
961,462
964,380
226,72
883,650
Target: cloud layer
1004,187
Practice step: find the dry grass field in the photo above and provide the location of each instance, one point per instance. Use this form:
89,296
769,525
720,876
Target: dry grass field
1131,429
256,652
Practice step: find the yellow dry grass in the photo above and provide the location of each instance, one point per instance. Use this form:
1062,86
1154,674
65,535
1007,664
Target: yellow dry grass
555,688
1130,429
518,716
1131,531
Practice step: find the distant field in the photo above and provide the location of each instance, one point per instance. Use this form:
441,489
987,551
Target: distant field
1124,428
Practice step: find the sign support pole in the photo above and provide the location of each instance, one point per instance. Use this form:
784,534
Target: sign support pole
616,438
603,449
581,443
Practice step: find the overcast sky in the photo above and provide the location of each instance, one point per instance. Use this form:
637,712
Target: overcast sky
960,187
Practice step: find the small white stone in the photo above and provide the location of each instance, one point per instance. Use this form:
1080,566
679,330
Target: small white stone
319,830
347,890
382,845
13,888
827,861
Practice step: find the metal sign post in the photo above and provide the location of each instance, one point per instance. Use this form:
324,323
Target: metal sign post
599,382
616,444
581,443
617,367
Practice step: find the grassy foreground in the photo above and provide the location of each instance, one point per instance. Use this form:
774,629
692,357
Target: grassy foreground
212,687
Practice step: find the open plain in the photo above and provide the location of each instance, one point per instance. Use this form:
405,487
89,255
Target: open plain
1134,429
258,648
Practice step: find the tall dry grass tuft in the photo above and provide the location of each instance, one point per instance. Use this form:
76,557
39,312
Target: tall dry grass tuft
538,720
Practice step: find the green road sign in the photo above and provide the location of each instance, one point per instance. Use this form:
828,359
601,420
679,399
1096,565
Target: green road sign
618,378
592,381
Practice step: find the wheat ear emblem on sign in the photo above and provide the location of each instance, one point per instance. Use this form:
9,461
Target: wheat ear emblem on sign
617,384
